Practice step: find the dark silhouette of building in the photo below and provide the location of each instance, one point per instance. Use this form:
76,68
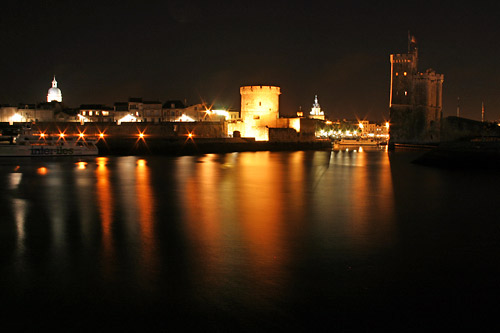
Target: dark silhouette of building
415,100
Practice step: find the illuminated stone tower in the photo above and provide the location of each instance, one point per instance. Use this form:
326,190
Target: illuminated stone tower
415,99
54,93
259,110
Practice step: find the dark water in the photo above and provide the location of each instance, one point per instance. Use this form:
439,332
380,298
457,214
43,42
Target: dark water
340,241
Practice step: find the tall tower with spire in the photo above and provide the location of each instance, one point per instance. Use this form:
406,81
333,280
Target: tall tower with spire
415,99
316,112
54,94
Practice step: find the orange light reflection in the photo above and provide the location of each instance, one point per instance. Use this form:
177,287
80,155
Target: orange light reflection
146,203
105,204
42,171
81,165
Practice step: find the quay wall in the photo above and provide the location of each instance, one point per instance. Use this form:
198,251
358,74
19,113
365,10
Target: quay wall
169,129
195,146
170,138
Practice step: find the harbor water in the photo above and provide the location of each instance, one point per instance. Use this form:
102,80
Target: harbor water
346,240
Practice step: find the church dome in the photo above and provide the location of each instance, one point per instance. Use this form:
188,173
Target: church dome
54,93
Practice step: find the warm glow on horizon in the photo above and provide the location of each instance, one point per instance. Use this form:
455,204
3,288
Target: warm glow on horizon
127,119
184,118
16,118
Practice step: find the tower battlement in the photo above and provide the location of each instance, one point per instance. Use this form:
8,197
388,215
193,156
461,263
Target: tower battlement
260,89
402,58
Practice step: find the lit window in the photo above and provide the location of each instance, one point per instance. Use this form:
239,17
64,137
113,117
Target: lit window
397,73
105,113
404,73
90,113
406,93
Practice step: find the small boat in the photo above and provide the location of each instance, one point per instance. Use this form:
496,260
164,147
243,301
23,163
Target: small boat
27,144
358,142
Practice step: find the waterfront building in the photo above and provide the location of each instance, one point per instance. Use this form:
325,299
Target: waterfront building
415,99
54,94
137,110
95,113
24,113
152,111
177,111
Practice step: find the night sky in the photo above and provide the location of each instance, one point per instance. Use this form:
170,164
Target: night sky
107,51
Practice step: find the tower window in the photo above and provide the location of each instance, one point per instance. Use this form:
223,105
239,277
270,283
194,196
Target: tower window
404,73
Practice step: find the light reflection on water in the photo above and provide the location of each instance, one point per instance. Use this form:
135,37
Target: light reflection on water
233,234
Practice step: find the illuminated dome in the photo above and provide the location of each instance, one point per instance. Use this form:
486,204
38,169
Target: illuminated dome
55,93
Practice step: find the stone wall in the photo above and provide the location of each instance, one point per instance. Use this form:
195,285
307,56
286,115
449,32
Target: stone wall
456,129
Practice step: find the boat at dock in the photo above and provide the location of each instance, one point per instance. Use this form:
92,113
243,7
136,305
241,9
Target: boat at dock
25,143
357,142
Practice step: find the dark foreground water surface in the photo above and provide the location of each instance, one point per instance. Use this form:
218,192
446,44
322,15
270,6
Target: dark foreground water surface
340,240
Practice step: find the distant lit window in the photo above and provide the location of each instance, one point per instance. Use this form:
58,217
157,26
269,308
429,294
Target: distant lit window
397,74
97,113
406,93
83,113
90,113
105,113
404,73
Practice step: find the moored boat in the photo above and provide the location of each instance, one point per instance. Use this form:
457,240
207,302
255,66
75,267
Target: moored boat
27,144
358,142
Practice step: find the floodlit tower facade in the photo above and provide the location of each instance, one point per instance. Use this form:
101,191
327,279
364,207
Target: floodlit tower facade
259,110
